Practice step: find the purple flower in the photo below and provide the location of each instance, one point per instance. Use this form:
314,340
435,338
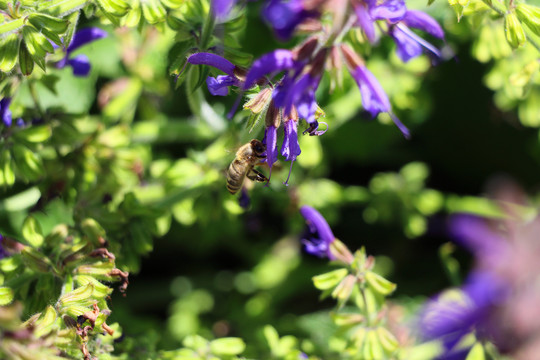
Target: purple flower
218,86
80,63
244,200
473,233
271,63
456,313
391,10
290,148
270,141
318,235
374,99
3,252
409,45
285,15
300,94
5,113
222,8
365,21
422,21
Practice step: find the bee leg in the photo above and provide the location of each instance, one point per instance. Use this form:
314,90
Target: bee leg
256,176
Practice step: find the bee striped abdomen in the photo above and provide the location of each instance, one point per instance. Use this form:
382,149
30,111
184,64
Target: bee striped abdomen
235,176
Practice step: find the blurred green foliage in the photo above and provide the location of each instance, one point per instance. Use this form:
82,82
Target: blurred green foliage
124,171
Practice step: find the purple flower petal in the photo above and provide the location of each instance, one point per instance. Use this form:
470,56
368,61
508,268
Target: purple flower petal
409,45
319,236
300,94
365,22
84,36
219,86
290,148
374,99
80,65
284,16
391,10
20,123
5,113
273,62
473,233
420,20
270,140
213,60
222,8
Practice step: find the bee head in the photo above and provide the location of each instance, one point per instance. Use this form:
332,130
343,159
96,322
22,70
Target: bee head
257,146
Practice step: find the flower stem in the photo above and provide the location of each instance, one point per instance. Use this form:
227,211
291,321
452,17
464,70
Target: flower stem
33,94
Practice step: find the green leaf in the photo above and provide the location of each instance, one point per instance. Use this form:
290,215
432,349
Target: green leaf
50,26
36,260
37,44
10,52
6,169
329,280
227,346
272,338
7,27
6,296
60,7
34,134
379,284
26,63
31,232
28,163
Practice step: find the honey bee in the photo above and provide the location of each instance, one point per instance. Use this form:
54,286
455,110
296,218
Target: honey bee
242,166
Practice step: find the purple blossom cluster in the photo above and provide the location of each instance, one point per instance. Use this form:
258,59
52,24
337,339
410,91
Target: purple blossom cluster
80,64
499,300
288,79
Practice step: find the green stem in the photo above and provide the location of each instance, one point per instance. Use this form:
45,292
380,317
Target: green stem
531,37
207,30
33,94
496,6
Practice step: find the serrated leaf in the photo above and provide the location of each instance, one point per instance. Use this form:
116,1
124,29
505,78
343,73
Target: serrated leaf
31,232
10,52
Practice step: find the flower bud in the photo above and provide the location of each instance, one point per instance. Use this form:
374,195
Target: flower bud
515,35
530,16
351,57
273,116
259,101
305,50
